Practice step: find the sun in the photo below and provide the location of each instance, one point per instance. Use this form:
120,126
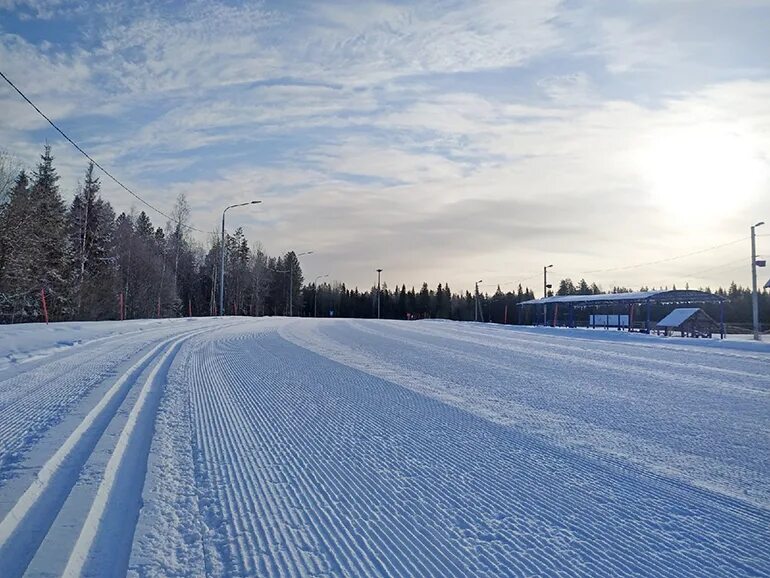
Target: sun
702,171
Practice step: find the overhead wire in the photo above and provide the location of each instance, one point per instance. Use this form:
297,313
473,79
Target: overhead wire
94,161
666,260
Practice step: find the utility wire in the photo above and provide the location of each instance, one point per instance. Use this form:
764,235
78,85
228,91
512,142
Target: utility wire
96,163
637,265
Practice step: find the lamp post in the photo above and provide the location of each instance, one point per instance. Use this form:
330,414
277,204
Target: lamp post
546,286
754,294
478,307
379,271
222,263
291,282
315,294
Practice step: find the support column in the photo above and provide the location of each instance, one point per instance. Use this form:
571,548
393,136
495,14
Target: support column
647,321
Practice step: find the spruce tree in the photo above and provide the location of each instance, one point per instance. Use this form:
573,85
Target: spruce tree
50,257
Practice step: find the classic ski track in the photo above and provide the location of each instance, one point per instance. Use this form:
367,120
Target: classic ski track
37,358
63,467
581,437
100,506
268,490
51,389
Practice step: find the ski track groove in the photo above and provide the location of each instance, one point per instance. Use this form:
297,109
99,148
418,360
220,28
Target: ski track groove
101,504
27,522
34,401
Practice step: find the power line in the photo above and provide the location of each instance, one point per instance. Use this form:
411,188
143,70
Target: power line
731,265
85,154
666,260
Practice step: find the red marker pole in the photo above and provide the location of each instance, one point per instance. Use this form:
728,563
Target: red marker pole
189,308
120,306
505,316
45,306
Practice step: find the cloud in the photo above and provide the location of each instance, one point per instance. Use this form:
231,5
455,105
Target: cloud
443,141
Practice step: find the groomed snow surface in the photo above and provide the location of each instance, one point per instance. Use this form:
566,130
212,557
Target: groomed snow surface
301,447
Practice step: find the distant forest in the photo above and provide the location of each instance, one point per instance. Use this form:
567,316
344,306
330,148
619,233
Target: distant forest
91,264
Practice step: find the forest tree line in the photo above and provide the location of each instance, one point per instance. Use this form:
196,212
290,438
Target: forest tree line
93,264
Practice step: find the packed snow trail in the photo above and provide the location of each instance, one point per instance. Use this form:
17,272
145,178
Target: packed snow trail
278,447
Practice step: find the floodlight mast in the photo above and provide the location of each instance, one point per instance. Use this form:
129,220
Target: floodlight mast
291,282
315,293
546,286
754,293
478,305
222,252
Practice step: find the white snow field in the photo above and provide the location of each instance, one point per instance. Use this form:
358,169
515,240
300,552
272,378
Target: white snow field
302,447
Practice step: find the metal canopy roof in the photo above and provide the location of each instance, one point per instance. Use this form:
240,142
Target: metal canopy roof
675,296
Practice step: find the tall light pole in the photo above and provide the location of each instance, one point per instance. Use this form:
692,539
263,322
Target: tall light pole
478,307
754,294
222,263
545,293
379,271
315,294
291,282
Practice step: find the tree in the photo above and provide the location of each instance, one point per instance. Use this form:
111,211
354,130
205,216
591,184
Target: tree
49,257
16,248
295,278
92,227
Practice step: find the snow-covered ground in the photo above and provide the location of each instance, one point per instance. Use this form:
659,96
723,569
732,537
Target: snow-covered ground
295,447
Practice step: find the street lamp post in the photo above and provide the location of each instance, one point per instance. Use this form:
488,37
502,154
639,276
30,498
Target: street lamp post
478,306
291,282
379,271
545,293
222,263
315,294
754,294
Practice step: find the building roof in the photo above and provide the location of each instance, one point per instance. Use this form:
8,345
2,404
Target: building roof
678,316
675,296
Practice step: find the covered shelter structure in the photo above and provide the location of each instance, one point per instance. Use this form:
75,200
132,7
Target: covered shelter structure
547,310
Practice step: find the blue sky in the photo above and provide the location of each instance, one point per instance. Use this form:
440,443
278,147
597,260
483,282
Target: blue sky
441,141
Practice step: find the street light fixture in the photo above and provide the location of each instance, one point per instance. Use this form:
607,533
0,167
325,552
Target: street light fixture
291,282
546,287
478,305
315,294
379,271
754,294
222,263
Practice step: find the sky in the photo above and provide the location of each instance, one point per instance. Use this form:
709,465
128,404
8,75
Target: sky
446,142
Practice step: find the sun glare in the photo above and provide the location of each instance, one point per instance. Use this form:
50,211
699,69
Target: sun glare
704,171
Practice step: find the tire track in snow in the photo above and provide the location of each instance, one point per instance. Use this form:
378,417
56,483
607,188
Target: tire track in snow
24,527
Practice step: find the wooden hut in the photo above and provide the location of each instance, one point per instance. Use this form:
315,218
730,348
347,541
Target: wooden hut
690,321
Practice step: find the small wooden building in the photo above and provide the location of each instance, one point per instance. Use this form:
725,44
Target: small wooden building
690,321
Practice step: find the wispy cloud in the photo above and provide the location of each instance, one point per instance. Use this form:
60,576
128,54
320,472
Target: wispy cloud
435,138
